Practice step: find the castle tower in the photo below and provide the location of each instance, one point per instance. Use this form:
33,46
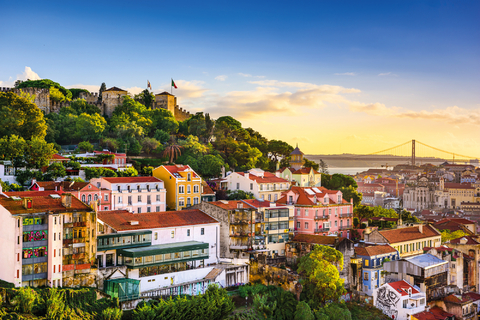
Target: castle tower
112,98
296,159
166,101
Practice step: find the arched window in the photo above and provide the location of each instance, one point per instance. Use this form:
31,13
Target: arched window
89,198
95,197
83,198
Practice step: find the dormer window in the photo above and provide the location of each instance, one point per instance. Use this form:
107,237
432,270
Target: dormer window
118,188
128,188
325,200
138,188
189,177
148,187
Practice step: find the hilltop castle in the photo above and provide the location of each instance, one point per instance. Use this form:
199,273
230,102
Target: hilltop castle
111,98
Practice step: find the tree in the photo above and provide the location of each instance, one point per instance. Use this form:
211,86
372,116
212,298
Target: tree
57,96
109,143
20,117
149,144
85,146
447,235
363,212
38,153
303,312
55,170
76,92
310,164
337,180
161,136
278,148
103,87
210,165
323,166
320,271
146,97
13,148
129,172
172,152
334,311
192,146
90,127
351,193
147,170
239,195
46,84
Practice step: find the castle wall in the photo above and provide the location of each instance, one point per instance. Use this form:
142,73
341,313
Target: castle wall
90,98
111,100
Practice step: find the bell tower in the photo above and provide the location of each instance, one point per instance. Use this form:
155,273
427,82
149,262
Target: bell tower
296,159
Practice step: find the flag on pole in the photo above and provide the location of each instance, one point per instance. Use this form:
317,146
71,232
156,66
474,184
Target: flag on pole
148,85
173,84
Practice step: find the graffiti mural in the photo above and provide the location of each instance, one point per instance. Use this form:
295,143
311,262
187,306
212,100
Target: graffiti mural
40,235
387,302
34,252
31,221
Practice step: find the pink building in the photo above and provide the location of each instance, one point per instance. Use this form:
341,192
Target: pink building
118,158
84,191
135,194
319,211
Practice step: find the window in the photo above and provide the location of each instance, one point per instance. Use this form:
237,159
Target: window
188,202
83,198
195,189
95,197
157,208
149,200
119,199
276,197
106,197
139,210
158,198
181,189
172,234
298,212
365,276
189,177
156,235
54,236
306,225
251,186
366,263
118,189
335,223
189,189
195,200
269,197
149,209
129,200
148,187
188,232
238,185
298,225
202,231
181,202
306,212
405,302
139,199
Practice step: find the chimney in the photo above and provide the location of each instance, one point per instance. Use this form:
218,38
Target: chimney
27,203
420,228
277,165
67,200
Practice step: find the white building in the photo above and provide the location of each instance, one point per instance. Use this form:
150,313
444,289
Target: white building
135,194
164,251
399,300
264,185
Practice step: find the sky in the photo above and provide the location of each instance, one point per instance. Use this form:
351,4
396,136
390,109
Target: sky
332,76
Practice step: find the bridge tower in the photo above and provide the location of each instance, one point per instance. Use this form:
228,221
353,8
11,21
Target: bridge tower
413,152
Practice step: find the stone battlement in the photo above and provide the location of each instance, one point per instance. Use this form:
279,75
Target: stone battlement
181,114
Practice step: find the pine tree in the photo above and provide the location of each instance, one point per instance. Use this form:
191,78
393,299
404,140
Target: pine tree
103,87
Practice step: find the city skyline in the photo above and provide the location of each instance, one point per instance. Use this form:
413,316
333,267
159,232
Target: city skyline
341,77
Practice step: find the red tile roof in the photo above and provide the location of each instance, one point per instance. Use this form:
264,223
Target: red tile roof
448,224
115,89
316,239
119,219
41,202
470,240
59,157
180,168
435,313
473,295
230,204
374,250
131,179
307,199
457,299
409,233
49,185
305,171
453,185
402,287
268,177
206,189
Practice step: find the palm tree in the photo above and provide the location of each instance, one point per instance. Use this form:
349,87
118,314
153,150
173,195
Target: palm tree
173,151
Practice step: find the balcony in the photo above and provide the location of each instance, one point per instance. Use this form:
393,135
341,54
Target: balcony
79,240
124,240
344,227
345,215
239,221
321,217
81,224
322,230
240,234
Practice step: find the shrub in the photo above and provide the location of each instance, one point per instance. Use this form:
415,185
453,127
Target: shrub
24,300
111,314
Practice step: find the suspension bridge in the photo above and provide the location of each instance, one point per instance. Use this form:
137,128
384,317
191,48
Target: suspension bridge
409,152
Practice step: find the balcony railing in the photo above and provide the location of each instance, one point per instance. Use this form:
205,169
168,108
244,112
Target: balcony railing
345,215
322,230
344,227
321,217
239,221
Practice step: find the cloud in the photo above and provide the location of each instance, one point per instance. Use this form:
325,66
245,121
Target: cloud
387,74
27,74
134,90
246,75
221,77
453,115
345,74
306,86
189,89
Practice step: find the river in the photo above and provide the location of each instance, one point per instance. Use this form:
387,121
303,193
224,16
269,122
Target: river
349,170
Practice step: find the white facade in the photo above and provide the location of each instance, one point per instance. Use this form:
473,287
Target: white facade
263,185
399,300
136,195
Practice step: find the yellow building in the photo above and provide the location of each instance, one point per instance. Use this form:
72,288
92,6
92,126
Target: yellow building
183,185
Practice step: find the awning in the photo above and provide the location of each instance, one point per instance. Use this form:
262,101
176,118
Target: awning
163,248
